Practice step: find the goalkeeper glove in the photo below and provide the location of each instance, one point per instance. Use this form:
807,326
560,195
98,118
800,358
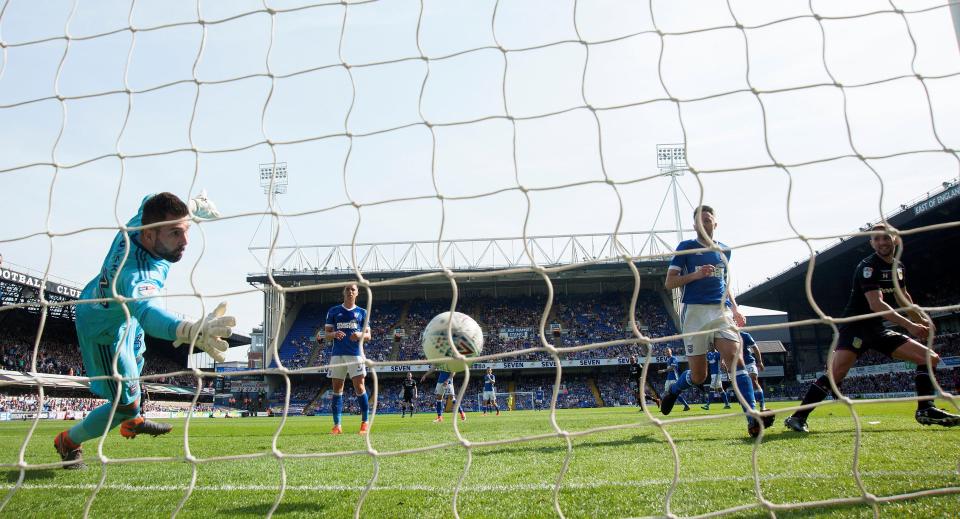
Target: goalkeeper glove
203,208
208,332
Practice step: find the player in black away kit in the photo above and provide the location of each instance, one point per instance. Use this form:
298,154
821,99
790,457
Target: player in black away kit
636,370
409,395
874,290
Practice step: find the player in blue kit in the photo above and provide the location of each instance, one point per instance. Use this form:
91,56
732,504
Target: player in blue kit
136,269
716,381
708,305
346,327
490,392
753,364
672,370
443,389
538,399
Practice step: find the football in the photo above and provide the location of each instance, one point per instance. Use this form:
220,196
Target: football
467,339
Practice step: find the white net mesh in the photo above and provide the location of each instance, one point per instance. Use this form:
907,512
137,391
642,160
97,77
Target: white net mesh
525,105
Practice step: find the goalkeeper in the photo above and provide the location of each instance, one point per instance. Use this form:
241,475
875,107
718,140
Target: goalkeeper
138,268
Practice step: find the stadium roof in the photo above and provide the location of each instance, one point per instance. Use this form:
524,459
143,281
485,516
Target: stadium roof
599,255
471,254
834,266
16,378
771,347
600,271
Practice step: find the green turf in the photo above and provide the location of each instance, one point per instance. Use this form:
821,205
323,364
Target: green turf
618,473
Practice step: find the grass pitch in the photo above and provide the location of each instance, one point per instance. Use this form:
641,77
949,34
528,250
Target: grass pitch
625,472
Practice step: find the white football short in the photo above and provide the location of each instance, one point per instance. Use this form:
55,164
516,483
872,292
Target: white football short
752,369
697,318
489,395
444,389
715,381
349,366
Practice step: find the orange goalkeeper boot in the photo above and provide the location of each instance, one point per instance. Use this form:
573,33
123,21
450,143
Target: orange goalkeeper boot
70,453
129,429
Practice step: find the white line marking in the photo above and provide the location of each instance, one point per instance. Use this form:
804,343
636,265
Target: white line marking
469,488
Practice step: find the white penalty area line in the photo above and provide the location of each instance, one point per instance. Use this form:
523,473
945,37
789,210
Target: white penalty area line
465,488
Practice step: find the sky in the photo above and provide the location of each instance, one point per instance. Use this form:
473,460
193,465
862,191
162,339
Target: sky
587,88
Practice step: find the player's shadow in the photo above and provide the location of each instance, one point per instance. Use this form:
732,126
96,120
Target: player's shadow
779,434
31,475
299,509
562,446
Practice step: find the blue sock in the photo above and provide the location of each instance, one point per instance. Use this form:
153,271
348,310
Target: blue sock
758,393
683,401
439,408
746,387
364,402
726,399
337,404
682,383
93,425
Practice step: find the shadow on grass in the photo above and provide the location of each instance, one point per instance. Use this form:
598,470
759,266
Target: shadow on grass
261,509
779,434
546,449
31,475
829,511
776,433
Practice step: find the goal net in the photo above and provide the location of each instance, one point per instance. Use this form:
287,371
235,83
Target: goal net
428,122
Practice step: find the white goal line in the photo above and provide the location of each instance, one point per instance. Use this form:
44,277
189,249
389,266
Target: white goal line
474,488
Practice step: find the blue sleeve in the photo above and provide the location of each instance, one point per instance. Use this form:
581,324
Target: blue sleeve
680,260
329,320
747,339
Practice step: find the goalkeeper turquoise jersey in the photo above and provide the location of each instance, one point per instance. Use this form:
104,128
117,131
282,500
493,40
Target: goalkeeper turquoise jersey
141,274
103,331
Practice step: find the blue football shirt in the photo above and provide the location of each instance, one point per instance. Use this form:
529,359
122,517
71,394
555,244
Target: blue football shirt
748,343
711,290
673,365
488,381
347,321
713,362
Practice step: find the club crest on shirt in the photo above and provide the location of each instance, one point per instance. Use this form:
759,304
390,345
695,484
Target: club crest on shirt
867,272
900,274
